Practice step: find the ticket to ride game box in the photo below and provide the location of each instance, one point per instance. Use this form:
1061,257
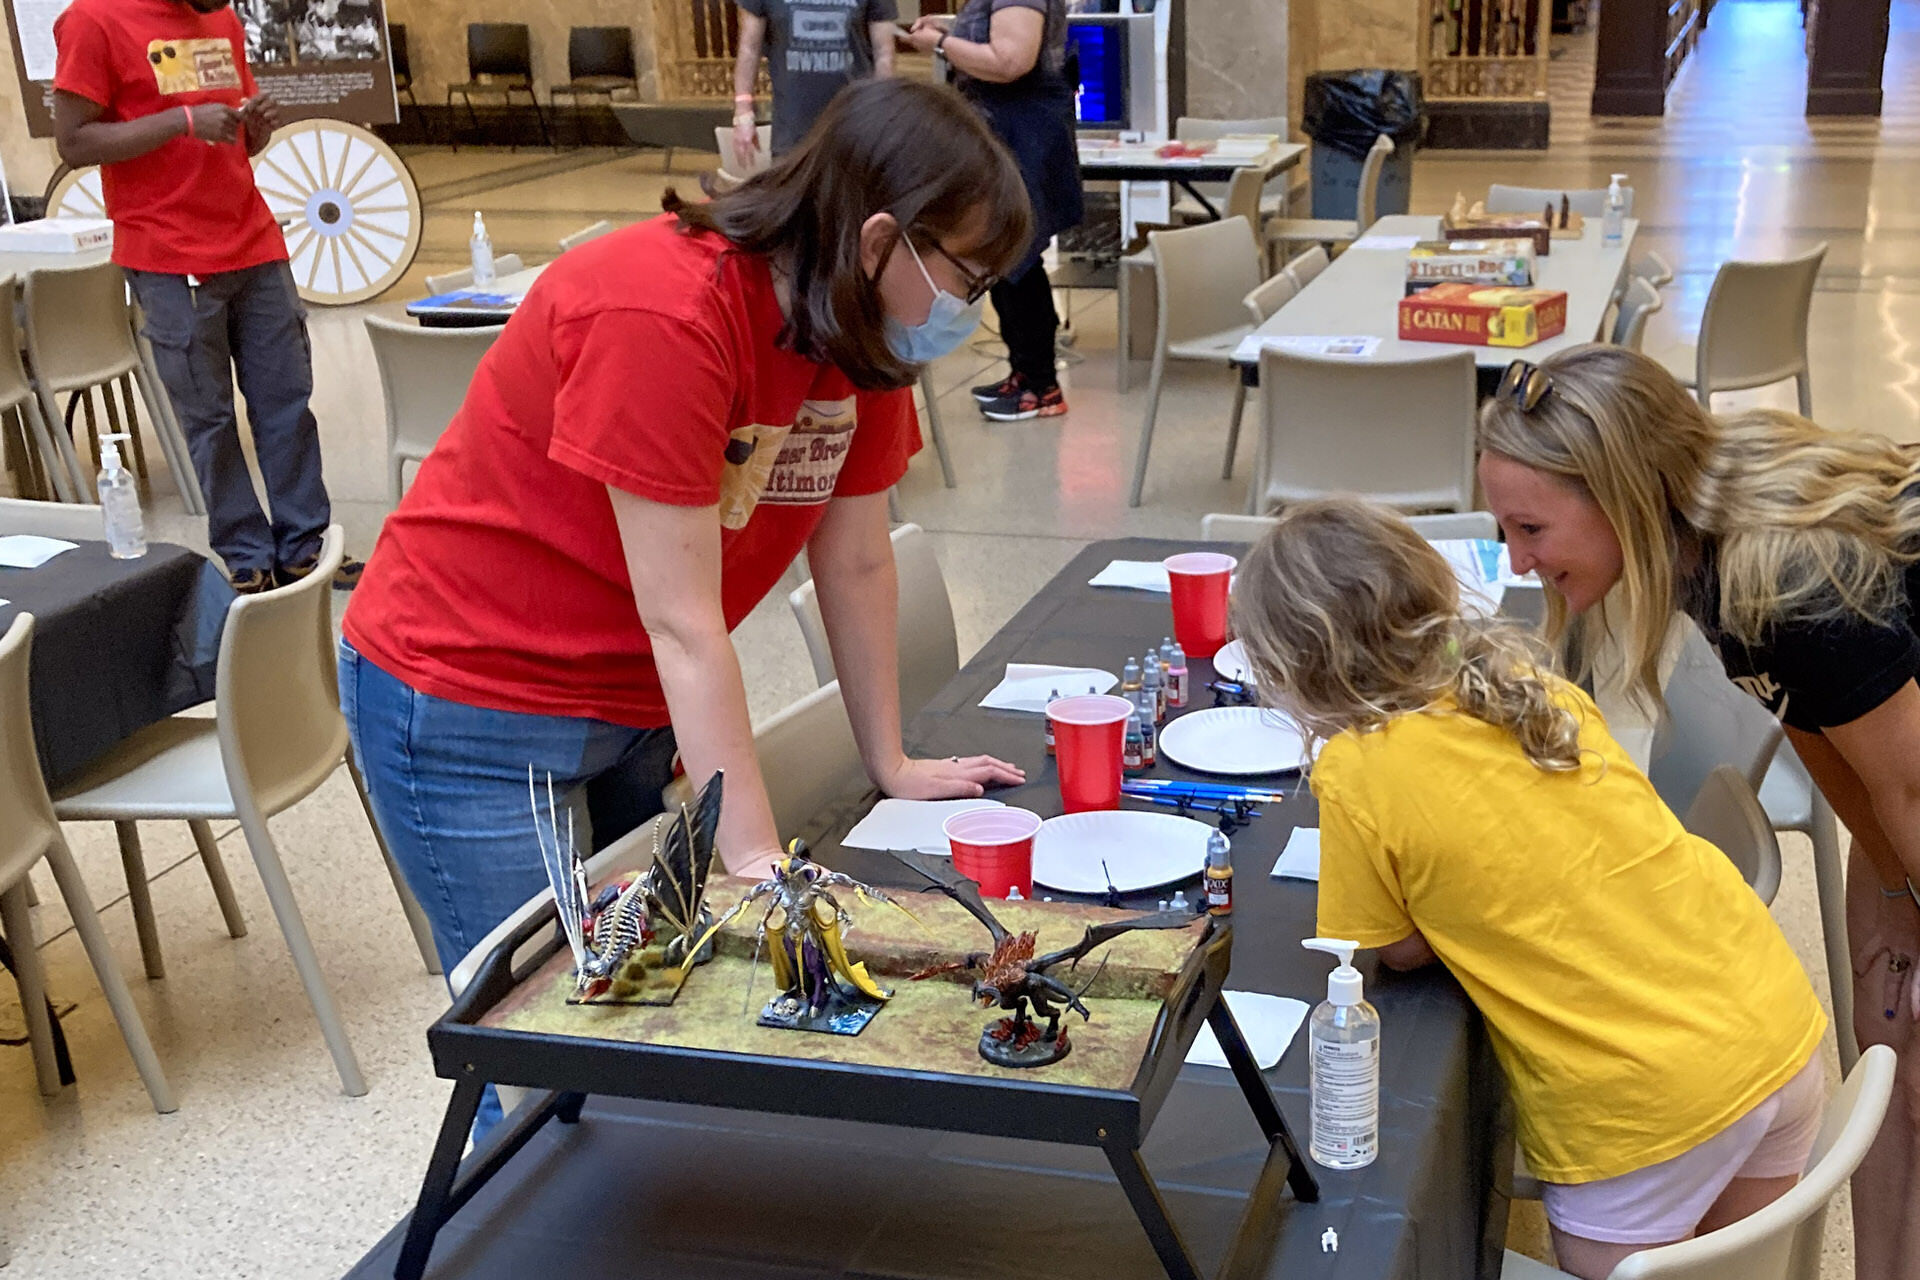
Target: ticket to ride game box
1483,317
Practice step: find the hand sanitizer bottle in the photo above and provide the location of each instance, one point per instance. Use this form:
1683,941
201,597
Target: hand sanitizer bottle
482,247
120,502
1613,226
1345,1067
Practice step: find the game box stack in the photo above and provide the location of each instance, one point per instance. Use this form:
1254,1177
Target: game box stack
1483,317
1478,262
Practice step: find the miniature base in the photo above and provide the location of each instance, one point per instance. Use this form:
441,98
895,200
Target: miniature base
846,1013
997,1046
638,984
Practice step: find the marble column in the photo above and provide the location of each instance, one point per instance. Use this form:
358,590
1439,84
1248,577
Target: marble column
1237,58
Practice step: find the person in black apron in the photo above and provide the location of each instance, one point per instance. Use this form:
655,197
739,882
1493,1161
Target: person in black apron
1010,59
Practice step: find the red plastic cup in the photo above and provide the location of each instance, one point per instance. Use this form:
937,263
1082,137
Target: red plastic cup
1089,731
1200,580
994,847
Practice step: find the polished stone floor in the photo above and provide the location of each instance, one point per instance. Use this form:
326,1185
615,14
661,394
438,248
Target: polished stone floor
267,1170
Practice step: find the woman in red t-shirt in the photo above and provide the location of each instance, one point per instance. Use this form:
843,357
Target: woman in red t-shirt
674,412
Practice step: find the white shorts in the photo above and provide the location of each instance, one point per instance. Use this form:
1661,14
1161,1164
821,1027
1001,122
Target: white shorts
1665,1202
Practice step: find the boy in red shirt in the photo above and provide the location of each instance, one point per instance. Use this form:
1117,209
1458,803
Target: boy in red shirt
158,94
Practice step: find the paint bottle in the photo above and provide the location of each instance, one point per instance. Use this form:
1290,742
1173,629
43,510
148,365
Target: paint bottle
1219,875
1133,746
1130,676
1178,685
1052,743
1153,690
1149,732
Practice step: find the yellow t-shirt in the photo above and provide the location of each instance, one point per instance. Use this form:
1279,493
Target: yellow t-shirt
1637,993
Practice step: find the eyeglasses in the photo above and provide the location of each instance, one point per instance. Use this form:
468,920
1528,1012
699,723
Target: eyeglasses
1526,385
977,285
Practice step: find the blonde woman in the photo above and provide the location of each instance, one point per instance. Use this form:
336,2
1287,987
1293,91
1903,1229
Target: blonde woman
1474,810
1797,550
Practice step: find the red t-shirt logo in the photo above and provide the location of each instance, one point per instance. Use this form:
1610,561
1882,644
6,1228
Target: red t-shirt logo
193,66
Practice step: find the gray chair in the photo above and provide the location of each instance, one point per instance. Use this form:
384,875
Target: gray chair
1203,129
499,61
1397,431
18,396
1304,267
586,235
1202,276
69,520
506,264
929,646
29,832
930,406
1268,297
1652,268
424,376
1754,330
1709,723
1285,231
1783,1240
1219,527
1637,305
1588,202
1726,813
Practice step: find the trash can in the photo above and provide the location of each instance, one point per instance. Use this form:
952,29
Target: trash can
1343,112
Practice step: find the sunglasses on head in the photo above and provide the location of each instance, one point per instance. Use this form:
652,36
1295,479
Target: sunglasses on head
1526,385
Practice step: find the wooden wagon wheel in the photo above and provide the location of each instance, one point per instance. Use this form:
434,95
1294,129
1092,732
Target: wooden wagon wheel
76,193
349,206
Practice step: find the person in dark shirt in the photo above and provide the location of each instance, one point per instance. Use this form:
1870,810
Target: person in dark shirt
814,48
1797,550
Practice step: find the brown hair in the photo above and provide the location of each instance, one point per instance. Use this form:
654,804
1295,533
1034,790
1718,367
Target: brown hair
1804,524
917,151
1351,619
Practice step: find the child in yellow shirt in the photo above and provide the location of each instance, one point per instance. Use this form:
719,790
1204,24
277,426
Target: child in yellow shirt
1658,1033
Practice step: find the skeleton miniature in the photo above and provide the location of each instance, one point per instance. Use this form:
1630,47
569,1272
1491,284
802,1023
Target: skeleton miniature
666,902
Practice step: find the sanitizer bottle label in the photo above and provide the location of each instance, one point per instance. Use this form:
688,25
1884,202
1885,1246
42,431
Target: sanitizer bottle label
1346,1102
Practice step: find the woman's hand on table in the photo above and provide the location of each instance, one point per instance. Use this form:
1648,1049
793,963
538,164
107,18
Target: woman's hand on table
955,778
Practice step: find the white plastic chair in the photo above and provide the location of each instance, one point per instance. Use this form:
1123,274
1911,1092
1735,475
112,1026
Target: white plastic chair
1652,268
79,335
729,166
1305,266
1268,297
424,375
68,520
29,832
1202,276
586,235
1220,527
1203,129
1637,304
1285,231
929,646
1710,722
1397,431
17,395
1727,814
1754,330
1783,1240
1588,202
275,736
807,754
506,264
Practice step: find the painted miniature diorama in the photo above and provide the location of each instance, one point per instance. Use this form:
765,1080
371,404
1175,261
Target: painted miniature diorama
1016,980
803,933
635,939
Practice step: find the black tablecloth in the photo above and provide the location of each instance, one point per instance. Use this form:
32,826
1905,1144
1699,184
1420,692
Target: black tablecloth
643,1190
117,645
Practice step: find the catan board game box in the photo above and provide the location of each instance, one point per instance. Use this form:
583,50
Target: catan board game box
1483,317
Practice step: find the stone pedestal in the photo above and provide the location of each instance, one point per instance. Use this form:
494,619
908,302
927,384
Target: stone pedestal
1846,54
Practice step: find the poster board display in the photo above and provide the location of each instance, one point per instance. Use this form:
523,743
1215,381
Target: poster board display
320,58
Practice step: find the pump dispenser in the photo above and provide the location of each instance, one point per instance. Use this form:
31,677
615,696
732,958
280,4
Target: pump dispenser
482,249
1344,1040
1613,225
120,503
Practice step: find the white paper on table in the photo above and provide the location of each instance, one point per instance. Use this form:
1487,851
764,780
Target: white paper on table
5,603
1397,243
1267,1023
30,550
910,824
1029,685
1135,575
1300,860
1357,346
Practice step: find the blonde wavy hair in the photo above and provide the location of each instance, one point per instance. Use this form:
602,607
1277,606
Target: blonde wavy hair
1804,524
1351,619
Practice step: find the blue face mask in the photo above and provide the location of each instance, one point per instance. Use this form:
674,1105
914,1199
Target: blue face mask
949,322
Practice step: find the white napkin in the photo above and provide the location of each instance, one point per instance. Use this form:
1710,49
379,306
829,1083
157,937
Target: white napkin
1300,860
910,824
1136,575
30,550
1267,1023
5,603
1028,685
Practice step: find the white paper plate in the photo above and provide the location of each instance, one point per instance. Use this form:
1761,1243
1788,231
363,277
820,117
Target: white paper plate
1239,742
911,824
1141,850
1231,662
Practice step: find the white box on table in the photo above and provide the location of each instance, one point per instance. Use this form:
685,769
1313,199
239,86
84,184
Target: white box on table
57,235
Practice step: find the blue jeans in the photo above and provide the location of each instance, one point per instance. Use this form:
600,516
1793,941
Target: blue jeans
448,783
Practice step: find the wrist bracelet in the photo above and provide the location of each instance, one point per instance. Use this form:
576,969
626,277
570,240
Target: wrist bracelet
1904,891
188,113
743,97
940,45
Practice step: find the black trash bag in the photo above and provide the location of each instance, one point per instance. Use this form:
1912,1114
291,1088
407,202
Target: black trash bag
1347,110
